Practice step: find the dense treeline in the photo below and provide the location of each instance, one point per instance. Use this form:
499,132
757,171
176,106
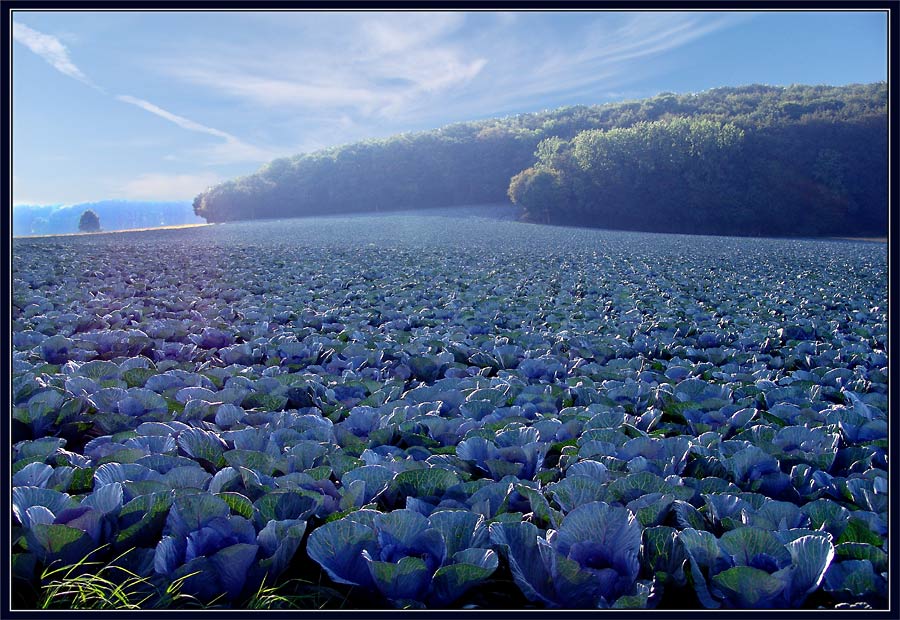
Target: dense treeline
112,214
749,160
457,165
697,175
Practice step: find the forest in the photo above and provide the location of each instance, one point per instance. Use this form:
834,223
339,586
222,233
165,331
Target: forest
753,160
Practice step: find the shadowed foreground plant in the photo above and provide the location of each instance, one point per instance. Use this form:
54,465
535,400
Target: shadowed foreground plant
291,594
70,588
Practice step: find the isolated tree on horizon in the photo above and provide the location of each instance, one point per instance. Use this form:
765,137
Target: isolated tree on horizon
89,222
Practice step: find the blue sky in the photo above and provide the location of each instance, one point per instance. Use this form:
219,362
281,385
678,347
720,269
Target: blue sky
160,105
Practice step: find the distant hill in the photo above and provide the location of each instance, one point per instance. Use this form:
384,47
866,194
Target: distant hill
113,214
750,160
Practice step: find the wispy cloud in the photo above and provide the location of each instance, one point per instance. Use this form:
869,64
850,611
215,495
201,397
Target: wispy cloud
50,49
409,67
639,37
232,150
403,33
607,52
168,186
274,91
374,66
54,52
184,123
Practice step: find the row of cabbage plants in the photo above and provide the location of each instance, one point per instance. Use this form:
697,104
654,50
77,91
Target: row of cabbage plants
427,412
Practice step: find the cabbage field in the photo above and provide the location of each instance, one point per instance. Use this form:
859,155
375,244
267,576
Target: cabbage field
449,412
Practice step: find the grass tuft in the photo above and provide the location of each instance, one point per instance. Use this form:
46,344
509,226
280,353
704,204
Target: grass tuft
295,594
75,587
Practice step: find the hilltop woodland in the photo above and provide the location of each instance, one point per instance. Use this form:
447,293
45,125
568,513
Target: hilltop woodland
752,160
